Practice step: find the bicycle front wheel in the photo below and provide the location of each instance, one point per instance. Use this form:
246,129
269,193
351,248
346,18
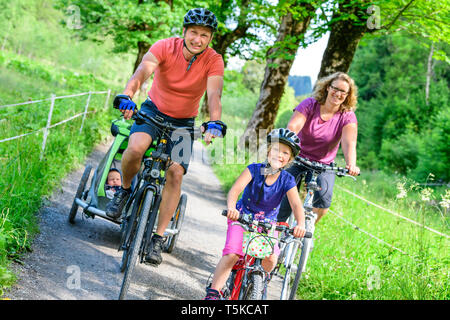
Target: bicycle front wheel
255,287
136,243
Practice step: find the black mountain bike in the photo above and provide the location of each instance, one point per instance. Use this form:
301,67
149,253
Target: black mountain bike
141,211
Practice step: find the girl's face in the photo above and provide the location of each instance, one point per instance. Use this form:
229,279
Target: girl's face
279,155
114,179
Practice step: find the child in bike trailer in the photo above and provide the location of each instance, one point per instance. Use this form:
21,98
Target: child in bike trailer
264,185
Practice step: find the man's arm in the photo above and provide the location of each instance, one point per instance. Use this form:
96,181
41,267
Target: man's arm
145,69
214,89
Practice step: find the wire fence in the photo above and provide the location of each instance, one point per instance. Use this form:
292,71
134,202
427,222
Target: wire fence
49,125
339,216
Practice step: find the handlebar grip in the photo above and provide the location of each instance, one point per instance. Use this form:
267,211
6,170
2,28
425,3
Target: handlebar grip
308,235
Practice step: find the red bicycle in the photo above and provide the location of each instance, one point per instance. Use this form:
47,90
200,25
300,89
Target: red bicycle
248,279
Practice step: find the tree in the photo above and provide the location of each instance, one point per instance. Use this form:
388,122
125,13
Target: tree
294,23
353,19
131,24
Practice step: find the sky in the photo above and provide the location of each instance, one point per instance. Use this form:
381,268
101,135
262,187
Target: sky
306,63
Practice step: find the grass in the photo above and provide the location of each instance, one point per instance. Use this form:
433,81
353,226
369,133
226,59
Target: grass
33,68
348,264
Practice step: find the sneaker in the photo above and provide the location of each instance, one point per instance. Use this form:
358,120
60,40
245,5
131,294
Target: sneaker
212,294
115,206
153,256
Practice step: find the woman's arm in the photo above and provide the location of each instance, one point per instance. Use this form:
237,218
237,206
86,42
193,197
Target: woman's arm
349,136
297,209
239,185
296,122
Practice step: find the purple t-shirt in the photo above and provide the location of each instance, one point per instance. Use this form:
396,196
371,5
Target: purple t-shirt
320,139
269,202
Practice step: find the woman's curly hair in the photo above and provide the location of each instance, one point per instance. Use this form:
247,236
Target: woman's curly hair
320,90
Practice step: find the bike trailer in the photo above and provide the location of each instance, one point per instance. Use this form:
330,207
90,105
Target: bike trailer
94,200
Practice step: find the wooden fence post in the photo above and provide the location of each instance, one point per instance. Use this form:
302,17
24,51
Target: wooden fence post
49,120
107,99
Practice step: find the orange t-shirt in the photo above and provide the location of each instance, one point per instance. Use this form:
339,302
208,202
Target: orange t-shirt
175,91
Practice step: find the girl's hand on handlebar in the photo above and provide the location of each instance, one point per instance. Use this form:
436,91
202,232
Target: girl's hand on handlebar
299,231
233,214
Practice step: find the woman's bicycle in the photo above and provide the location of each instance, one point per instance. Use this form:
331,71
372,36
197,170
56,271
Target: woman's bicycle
248,280
289,250
141,211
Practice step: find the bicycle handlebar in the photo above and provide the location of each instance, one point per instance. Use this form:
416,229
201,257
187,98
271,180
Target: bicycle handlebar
161,123
320,167
266,225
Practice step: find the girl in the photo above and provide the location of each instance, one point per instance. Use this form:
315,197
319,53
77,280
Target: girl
264,185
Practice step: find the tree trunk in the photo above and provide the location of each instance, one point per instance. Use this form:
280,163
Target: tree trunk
429,73
279,62
344,38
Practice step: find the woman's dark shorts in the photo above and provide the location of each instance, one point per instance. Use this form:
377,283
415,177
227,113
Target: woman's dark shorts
322,198
180,148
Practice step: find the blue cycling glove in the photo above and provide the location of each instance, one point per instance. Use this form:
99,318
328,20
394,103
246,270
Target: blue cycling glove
123,102
216,128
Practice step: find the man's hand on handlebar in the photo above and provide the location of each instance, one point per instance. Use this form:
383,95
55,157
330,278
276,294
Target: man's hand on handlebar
213,129
124,103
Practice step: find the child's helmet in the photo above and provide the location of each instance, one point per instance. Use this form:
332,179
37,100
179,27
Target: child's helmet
200,17
287,137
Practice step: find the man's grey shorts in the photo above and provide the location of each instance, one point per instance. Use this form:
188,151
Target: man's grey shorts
180,148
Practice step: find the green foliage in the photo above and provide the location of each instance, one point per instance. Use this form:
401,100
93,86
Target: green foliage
33,68
398,130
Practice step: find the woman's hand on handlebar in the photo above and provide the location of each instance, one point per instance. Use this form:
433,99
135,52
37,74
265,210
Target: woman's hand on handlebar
353,170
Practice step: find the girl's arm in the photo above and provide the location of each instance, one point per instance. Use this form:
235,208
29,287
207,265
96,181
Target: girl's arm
297,209
237,188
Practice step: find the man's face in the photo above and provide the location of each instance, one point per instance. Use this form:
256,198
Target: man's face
197,38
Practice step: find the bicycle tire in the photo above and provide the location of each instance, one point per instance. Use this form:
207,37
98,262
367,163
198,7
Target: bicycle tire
177,222
288,276
255,287
136,243
301,267
128,228
80,190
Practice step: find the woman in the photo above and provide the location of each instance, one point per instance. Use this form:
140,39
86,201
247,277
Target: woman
323,122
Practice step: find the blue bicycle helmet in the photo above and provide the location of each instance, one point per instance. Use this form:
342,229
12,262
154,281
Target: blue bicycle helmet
200,17
287,137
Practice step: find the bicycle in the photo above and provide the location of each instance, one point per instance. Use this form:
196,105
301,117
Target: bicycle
288,252
141,211
248,280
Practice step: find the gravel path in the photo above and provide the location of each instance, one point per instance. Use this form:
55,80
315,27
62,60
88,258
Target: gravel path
81,261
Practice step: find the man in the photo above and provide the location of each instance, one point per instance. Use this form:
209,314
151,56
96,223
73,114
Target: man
183,69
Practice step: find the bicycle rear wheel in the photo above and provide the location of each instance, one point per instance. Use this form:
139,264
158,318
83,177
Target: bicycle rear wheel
286,288
136,243
301,266
176,223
